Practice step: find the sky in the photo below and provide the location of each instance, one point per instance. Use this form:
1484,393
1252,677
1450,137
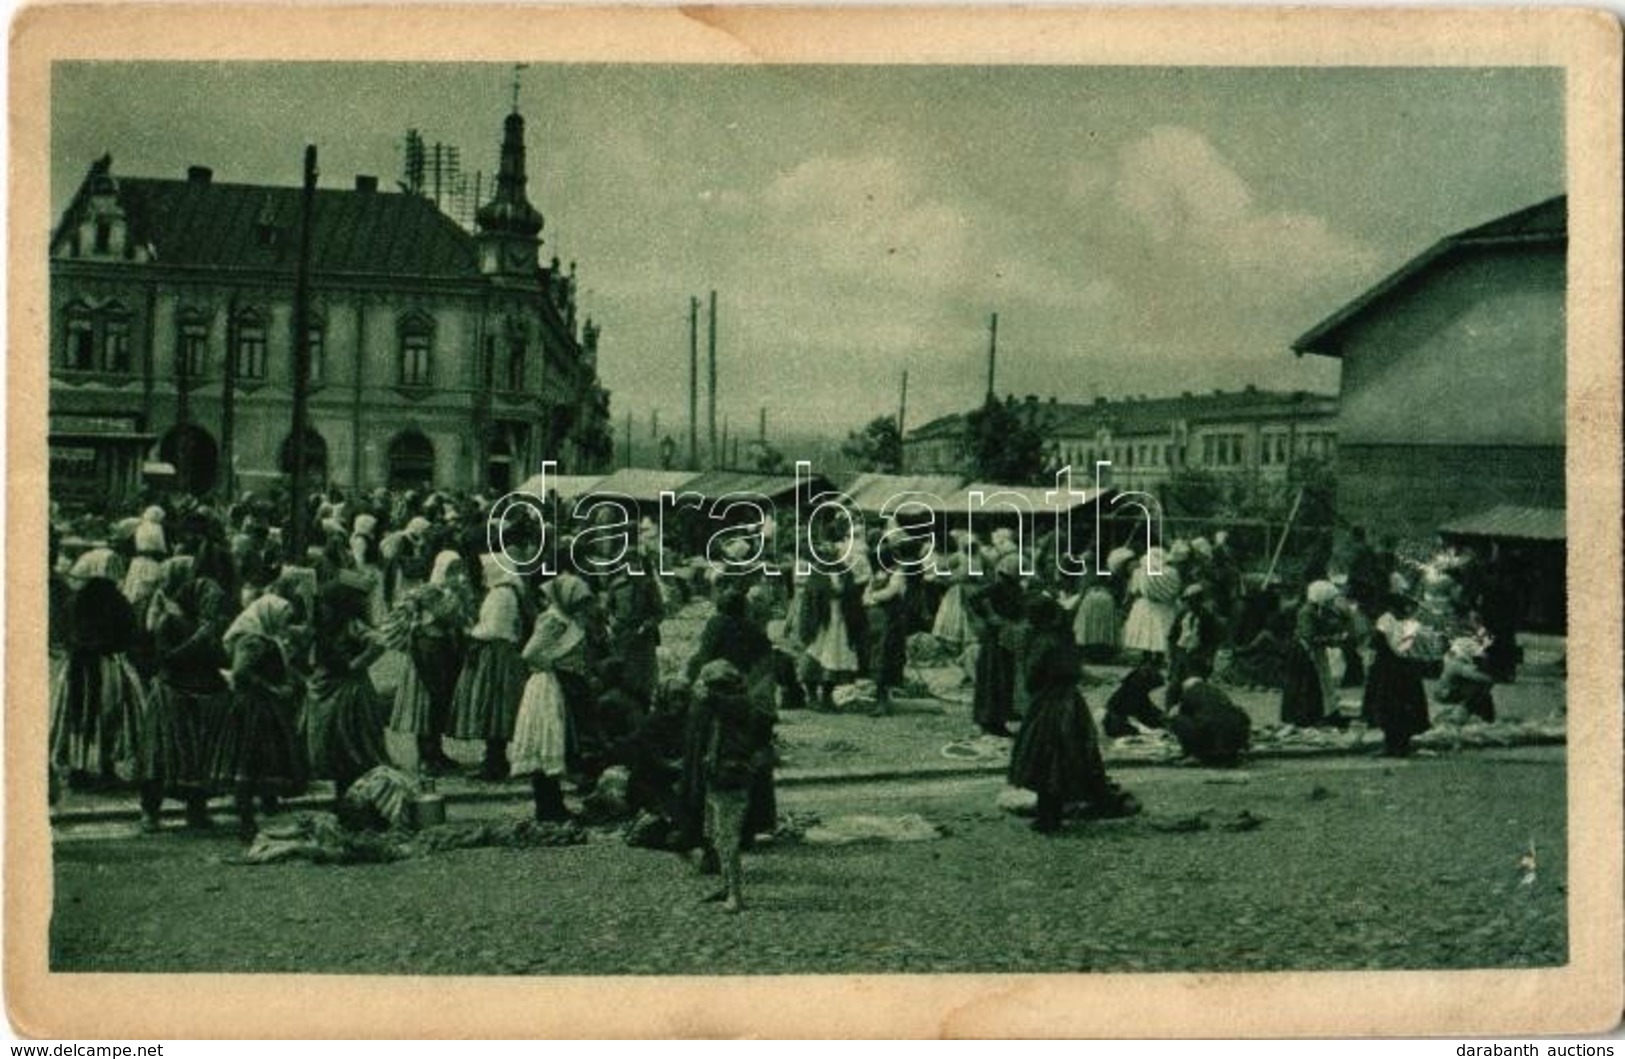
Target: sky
1138,230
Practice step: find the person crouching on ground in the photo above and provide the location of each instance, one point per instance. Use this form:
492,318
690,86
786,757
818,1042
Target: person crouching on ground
556,655
738,745
1057,750
1209,727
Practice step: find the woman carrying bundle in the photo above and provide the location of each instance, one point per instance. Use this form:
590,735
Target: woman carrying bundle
493,678
543,745
430,628
260,753
188,699
342,720
98,699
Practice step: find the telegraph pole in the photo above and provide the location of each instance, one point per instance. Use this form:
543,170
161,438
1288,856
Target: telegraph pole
711,399
693,383
301,356
228,402
902,415
992,352
629,437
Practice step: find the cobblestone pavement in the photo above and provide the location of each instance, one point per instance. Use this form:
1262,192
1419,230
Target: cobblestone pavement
1451,860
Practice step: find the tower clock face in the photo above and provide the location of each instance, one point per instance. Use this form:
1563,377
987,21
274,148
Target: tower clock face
518,258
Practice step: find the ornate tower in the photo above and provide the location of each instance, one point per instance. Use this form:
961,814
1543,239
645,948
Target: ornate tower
509,227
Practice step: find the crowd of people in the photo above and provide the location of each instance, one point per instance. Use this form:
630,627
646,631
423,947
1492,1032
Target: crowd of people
194,655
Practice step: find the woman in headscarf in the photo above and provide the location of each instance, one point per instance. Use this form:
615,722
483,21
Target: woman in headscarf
98,700
996,611
150,551
544,737
343,725
738,748
952,624
1094,627
1057,752
367,562
430,627
1154,586
830,614
260,754
187,693
1308,694
1395,699
886,606
486,701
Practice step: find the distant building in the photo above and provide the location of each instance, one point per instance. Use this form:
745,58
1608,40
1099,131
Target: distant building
1250,431
1453,381
437,356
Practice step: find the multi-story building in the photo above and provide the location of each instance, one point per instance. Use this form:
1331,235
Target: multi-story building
1453,373
1146,440
438,356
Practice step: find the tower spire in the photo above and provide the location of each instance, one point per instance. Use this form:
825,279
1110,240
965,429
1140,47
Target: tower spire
509,226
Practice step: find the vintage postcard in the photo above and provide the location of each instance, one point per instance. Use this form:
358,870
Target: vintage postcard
896,522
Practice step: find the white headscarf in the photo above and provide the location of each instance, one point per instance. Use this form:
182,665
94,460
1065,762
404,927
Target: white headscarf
442,566
268,616
98,562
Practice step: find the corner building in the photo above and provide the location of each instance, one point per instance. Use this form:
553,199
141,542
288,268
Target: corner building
438,357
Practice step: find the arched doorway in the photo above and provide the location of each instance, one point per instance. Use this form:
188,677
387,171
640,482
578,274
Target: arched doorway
411,461
315,458
194,455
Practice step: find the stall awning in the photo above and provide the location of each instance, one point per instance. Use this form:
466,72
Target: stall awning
1512,522
1000,499
568,486
643,485
871,492
714,484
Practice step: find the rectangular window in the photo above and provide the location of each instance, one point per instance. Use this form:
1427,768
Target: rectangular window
80,352
1235,450
516,367
116,347
104,236
316,337
250,353
191,355
415,359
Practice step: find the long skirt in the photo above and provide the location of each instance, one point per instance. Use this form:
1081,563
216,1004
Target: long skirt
1395,699
1096,622
1057,751
96,710
952,624
832,647
260,744
994,697
540,733
486,703
344,727
1303,686
428,685
888,645
1148,626
179,736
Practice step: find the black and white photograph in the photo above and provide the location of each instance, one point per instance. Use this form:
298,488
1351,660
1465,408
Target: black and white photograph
529,518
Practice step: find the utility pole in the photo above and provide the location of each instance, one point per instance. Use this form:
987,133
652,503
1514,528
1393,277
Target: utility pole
902,415
693,383
301,356
629,437
761,426
992,352
711,399
714,462
228,402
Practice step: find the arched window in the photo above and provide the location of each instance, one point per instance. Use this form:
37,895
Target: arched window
79,338
194,455
249,349
411,460
417,347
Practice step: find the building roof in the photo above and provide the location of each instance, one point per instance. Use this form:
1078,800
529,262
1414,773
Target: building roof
713,484
568,486
1036,498
1143,415
1543,224
1511,521
211,225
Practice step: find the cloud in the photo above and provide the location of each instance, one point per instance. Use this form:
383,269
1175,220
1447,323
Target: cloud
1192,204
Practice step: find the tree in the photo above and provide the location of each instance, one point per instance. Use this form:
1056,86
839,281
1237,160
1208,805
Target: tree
1003,444
877,448
766,459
